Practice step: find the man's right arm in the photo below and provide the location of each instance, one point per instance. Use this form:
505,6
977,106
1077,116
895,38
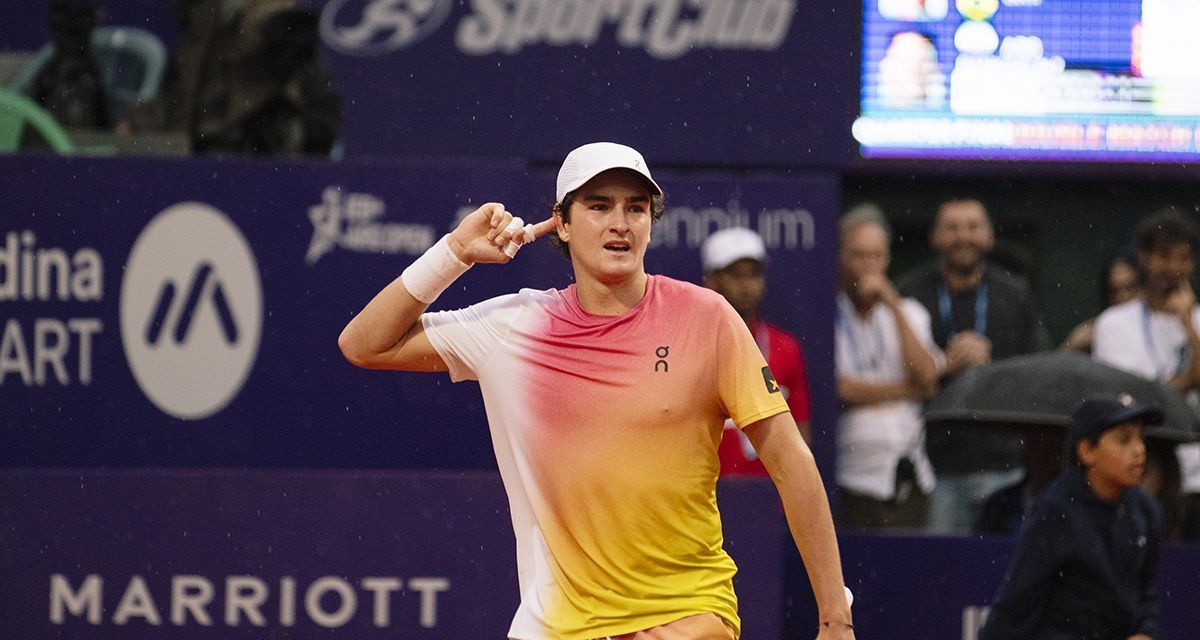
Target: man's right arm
387,333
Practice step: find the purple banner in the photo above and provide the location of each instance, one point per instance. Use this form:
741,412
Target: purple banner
715,83
934,587
374,554
225,554
186,313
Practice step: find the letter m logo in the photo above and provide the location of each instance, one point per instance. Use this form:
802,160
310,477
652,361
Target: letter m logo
202,285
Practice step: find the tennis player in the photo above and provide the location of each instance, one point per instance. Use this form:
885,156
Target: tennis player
606,401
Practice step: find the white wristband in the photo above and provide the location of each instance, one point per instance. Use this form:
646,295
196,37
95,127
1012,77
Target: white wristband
436,269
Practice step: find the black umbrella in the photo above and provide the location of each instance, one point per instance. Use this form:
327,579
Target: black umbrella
1043,388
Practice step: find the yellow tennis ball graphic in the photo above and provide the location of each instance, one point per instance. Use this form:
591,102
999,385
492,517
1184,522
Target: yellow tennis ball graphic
977,9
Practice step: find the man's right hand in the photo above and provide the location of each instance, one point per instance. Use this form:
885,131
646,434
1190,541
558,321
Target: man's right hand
1181,301
965,349
876,287
483,234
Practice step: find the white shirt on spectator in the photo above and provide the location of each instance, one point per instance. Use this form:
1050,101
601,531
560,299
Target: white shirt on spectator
1151,344
872,439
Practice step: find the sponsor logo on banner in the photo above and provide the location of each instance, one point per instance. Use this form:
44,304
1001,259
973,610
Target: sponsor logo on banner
328,601
351,221
47,348
664,29
191,310
781,228
376,27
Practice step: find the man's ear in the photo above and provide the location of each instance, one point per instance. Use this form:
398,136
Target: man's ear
560,226
1085,451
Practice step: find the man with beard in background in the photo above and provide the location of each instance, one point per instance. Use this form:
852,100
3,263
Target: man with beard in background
980,313
1155,336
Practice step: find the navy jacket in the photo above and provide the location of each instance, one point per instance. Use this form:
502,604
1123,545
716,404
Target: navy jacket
1084,569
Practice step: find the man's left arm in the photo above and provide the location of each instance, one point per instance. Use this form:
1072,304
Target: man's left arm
794,471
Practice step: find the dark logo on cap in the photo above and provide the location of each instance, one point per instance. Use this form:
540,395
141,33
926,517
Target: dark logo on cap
769,378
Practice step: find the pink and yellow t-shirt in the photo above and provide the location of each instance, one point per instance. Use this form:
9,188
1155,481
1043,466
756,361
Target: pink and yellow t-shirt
606,431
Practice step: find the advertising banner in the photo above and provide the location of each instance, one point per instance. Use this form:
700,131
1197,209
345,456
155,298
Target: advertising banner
186,313
940,587
385,554
284,554
711,83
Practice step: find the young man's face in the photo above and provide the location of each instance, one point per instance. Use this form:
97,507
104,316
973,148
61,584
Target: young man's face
609,227
741,283
962,234
1167,266
1117,459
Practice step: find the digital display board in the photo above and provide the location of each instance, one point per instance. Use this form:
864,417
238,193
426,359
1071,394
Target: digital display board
1109,80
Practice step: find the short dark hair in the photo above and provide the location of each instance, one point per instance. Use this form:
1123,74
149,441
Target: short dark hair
1165,228
657,207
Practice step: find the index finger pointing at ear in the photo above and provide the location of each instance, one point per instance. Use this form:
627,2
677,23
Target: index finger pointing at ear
540,229
531,232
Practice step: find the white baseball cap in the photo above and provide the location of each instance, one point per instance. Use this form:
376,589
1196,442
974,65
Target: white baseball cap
727,246
590,160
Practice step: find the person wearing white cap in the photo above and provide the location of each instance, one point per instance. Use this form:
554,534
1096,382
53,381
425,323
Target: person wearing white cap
733,261
605,401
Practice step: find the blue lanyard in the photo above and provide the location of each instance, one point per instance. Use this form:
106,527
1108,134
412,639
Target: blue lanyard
861,365
1162,371
981,309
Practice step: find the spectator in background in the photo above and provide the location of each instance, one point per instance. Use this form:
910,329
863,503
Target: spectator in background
1005,510
246,79
71,86
886,366
980,313
1087,562
733,261
1118,284
1155,335
1162,481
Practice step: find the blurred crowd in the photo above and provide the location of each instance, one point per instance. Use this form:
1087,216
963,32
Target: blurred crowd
244,77
898,346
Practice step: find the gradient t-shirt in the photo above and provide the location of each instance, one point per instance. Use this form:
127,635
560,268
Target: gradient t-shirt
606,430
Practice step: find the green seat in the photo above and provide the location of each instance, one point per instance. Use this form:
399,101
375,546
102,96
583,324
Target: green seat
24,124
131,60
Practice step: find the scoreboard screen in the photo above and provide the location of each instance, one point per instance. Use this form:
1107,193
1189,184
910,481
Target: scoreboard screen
1105,80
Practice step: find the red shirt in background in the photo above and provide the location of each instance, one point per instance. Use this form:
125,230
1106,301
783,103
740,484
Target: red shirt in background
783,355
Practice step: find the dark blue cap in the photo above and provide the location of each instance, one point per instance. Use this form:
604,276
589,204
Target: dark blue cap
1096,414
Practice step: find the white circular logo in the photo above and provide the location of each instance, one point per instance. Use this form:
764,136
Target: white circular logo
191,310
382,26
